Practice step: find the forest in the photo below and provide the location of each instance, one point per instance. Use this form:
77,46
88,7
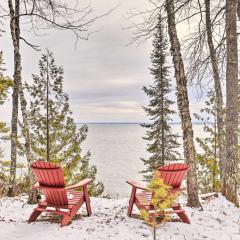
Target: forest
194,45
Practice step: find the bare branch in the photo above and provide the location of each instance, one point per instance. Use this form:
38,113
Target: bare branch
48,14
35,47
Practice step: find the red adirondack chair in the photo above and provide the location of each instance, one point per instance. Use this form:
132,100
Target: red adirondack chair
50,182
173,175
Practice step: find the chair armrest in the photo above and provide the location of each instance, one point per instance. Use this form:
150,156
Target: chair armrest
36,186
178,190
182,188
137,185
82,183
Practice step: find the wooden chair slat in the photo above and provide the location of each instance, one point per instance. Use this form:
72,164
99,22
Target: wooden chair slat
172,179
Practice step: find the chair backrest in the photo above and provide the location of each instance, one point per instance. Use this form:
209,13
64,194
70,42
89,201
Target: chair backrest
173,174
51,180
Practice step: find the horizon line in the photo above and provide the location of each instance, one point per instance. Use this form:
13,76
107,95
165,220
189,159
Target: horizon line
127,122
112,122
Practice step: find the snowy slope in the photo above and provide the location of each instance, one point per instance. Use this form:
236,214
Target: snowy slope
220,220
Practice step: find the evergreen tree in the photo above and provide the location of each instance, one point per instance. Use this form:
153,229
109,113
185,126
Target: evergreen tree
5,82
163,143
5,85
55,135
208,162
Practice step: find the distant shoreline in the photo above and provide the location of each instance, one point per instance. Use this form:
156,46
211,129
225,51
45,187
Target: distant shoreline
134,123
122,123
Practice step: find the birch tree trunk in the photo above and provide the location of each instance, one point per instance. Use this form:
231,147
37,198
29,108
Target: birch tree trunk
17,74
230,167
183,106
218,88
18,91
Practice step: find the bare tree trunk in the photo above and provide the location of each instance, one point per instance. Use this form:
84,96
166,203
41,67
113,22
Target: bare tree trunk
229,188
183,106
218,88
17,74
238,9
47,123
18,89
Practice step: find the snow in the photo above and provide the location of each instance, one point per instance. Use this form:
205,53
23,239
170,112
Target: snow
219,220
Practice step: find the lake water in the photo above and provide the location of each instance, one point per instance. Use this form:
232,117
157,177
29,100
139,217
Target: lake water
116,150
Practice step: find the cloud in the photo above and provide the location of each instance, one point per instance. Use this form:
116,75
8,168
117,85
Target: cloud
102,76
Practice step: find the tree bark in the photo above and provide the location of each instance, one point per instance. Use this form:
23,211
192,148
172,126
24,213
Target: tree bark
218,88
183,106
230,167
18,90
47,122
14,22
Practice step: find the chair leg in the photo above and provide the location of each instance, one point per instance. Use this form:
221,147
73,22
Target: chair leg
87,201
88,206
183,216
131,202
35,214
66,220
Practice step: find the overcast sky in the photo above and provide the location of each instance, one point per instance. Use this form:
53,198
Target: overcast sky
103,76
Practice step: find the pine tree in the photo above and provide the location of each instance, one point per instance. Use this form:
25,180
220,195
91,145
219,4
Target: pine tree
55,135
5,82
5,85
163,143
208,162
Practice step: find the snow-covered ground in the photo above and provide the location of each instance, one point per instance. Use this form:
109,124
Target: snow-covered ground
219,220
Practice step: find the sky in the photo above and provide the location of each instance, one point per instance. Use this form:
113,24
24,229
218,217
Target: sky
103,76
